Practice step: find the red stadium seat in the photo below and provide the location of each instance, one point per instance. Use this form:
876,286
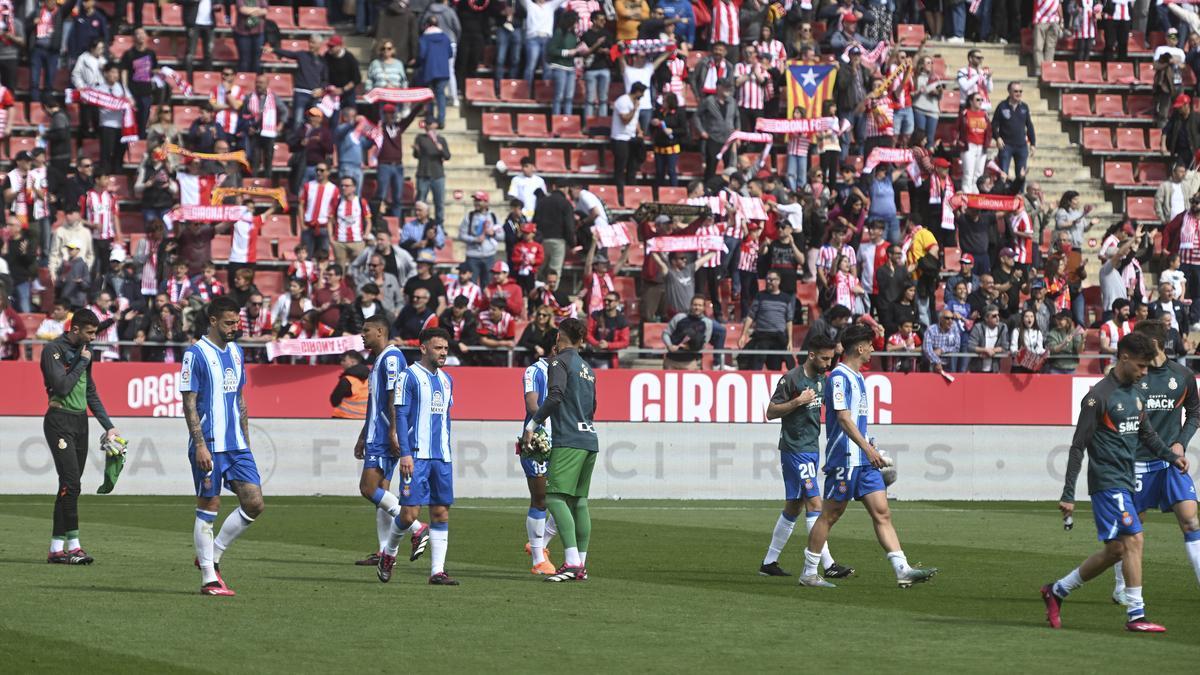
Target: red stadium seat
1118,173
497,124
277,225
172,14
589,162
606,194
282,155
1155,139
1109,105
1055,72
1151,173
280,84
952,260
950,102
947,133
1137,43
690,164
636,194
1120,72
531,126
1145,73
282,16
313,18
512,157
1140,208
550,160
1131,139
1096,138
566,126
204,82
910,35
514,90
672,195
136,152
224,49
480,90
1088,72
185,115
1076,105
1140,106
120,45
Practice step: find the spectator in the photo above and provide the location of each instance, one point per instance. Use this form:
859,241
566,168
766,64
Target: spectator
12,48
1175,276
1116,30
312,74
163,130
390,159
179,287
53,325
207,286
988,341
332,297
534,335
891,278
975,229
351,223
941,340
711,71
1181,135
552,295
783,257
903,309
830,324
425,279
752,80
846,288
1063,344
349,397
716,120
987,294
422,233
460,322
249,23
195,245
87,73
974,133
479,229
396,262
1072,217
102,218
1012,127
848,34
204,132
73,232
958,305
390,292
344,72
880,189
497,332
1048,26
879,125
1028,343
768,326
526,185
352,146
685,337
504,291
630,15
561,53
19,252
1009,278
112,147
386,71
597,71
510,42
12,331
590,213
45,25
975,78
850,93
243,286
966,274
291,305
139,66
431,151
834,248
1112,283
513,222
309,326
365,306
555,219
928,89
465,287
1116,327
668,128
162,325
904,340
199,18
624,131
680,278
436,55
311,145
256,327
264,115
73,281
608,333
1172,196
527,256
1168,309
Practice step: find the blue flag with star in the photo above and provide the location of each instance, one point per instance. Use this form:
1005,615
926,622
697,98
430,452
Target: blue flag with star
809,86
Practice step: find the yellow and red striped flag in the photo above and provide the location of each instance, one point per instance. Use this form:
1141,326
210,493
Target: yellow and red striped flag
809,86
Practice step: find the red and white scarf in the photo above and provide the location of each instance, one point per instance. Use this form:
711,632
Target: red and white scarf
267,115
647,47
182,86
393,95
799,125
102,99
874,57
179,289
150,269
602,285
887,155
203,213
610,235
568,311
44,27
749,137
685,242
254,327
197,190
942,191
717,70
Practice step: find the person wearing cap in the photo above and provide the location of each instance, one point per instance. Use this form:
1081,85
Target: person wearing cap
344,72
460,320
526,185
849,92
265,114
968,274
200,19
527,256
366,305
390,159
73,280
71,234
432,152
505,291
311,76
480,231
426,279
1042,306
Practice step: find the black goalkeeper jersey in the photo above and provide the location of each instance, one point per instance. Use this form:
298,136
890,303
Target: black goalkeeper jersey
570,402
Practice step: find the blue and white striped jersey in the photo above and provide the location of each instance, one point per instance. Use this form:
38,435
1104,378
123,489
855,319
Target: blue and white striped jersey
382,384
216,376
424,399
845,389
535,381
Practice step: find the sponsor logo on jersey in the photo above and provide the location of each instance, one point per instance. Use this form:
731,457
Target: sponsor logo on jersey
1160,403
589,428
437,404
230,381
1128,427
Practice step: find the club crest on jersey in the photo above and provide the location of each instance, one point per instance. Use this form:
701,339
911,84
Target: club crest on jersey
842,487
1126,519
1172,384
1139,404
1120,408
230,381
808,484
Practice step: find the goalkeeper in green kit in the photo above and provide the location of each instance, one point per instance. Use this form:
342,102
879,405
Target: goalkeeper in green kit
570,405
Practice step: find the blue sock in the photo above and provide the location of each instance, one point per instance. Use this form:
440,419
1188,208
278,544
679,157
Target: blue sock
537,514
378,496
1191,536
785,516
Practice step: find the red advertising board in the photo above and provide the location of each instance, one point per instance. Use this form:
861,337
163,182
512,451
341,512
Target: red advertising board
151,390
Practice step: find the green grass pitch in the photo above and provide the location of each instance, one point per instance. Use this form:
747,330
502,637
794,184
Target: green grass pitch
673,589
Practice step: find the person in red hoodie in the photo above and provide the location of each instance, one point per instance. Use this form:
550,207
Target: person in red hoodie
974,135
504,291
527,257
608,333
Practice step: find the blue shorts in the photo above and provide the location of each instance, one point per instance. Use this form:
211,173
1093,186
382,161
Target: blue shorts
534,469
381,458
432,482
852,482
228,466
903,121
1115,514
799,475
1163,488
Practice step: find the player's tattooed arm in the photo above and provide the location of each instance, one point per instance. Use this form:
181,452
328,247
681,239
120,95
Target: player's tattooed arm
192,416
1089,413
244,414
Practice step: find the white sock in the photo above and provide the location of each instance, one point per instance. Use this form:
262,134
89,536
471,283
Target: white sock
439,539
1135,606
551,528
1064,586
582,558
1191,544
73,544
396,532
899,562
389,504
811,560
383,525
535,527
571,557
202,535
810,519
56,545
1119,571
233,527
779,537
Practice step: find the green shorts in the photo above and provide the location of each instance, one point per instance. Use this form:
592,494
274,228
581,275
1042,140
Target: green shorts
570,471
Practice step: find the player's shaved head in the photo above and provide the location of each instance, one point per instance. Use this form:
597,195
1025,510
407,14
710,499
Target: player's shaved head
375,332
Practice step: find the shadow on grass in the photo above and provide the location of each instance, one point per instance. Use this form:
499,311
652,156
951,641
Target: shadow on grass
127,590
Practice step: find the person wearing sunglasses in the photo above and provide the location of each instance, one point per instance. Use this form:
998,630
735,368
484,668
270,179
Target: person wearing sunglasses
988,341
608,333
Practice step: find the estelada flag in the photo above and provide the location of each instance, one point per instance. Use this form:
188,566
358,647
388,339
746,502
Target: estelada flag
809,86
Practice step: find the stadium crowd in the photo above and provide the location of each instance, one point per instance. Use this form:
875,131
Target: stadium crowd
825,238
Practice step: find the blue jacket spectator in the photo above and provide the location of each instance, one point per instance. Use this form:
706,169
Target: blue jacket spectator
685,29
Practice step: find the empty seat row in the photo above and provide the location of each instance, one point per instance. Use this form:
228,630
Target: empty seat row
1121,174
1128,139
1092,73
1122,108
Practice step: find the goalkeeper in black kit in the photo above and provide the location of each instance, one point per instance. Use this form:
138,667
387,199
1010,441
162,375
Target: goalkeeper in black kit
570,405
